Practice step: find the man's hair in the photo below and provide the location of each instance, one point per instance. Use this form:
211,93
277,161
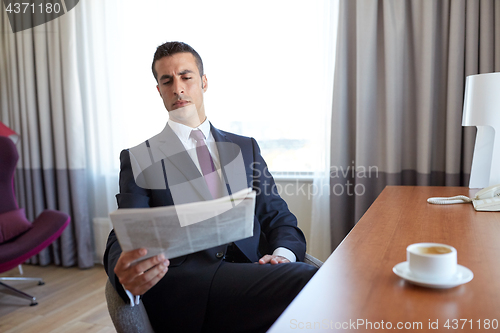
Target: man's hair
171,48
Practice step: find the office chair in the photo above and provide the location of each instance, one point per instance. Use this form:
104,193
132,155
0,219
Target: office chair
20,239
128,319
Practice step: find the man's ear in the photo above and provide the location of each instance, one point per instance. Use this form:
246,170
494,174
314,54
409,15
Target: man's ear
158,88
204,83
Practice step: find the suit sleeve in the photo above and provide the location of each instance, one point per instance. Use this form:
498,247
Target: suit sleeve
130,196
277,222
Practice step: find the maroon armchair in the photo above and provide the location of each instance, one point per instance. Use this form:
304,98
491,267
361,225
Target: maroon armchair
19,238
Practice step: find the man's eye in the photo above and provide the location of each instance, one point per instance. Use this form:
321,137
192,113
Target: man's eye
187,78
166,82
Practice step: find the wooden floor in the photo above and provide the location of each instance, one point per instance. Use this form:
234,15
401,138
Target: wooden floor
72,300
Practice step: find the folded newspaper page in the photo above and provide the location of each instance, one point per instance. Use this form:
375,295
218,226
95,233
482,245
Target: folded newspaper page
183,229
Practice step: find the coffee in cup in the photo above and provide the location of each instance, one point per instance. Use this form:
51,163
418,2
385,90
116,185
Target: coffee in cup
437,249
432,261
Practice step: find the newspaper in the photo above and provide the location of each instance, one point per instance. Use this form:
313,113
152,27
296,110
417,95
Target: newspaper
183,229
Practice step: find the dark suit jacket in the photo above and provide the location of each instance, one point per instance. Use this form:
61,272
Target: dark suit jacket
185,287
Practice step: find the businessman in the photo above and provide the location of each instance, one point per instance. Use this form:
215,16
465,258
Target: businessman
239,287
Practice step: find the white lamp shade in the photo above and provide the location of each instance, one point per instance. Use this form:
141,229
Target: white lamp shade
482,109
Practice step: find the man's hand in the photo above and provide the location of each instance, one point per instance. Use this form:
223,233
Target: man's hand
143,275
273,259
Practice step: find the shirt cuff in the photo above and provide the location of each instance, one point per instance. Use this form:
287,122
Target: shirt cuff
134,300
284,252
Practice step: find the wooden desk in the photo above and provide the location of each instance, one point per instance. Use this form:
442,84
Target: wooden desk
357,283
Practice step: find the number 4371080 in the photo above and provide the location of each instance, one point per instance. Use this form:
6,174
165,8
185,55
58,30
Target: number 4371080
478,324
26,7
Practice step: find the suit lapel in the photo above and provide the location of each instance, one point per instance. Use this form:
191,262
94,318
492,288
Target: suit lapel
234,169
225,155
231,161
220,139
174,151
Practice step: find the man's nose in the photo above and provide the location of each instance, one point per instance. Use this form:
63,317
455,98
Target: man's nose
178,87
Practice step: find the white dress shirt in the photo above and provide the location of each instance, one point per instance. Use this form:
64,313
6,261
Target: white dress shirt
183,132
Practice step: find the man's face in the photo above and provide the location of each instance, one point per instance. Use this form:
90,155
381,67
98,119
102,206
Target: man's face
180,86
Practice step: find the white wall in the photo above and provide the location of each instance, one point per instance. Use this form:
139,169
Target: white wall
294,192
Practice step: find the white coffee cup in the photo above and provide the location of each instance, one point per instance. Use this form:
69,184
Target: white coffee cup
432,261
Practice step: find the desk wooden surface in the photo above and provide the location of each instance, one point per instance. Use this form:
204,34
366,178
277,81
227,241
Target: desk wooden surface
357,284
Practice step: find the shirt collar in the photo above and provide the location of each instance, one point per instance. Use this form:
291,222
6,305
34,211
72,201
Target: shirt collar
183,131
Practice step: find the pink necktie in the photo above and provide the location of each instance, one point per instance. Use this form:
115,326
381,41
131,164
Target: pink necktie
207,164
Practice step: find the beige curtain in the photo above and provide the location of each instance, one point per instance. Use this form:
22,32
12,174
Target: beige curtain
399,87
40,98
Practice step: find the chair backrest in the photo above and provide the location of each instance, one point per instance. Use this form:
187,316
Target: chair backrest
8,161
126,318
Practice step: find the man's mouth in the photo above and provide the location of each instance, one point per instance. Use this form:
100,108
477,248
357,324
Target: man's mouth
181,103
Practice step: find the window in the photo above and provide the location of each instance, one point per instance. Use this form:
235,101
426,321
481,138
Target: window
267,64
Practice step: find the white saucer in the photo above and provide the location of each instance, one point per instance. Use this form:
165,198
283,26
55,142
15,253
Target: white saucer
463,275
